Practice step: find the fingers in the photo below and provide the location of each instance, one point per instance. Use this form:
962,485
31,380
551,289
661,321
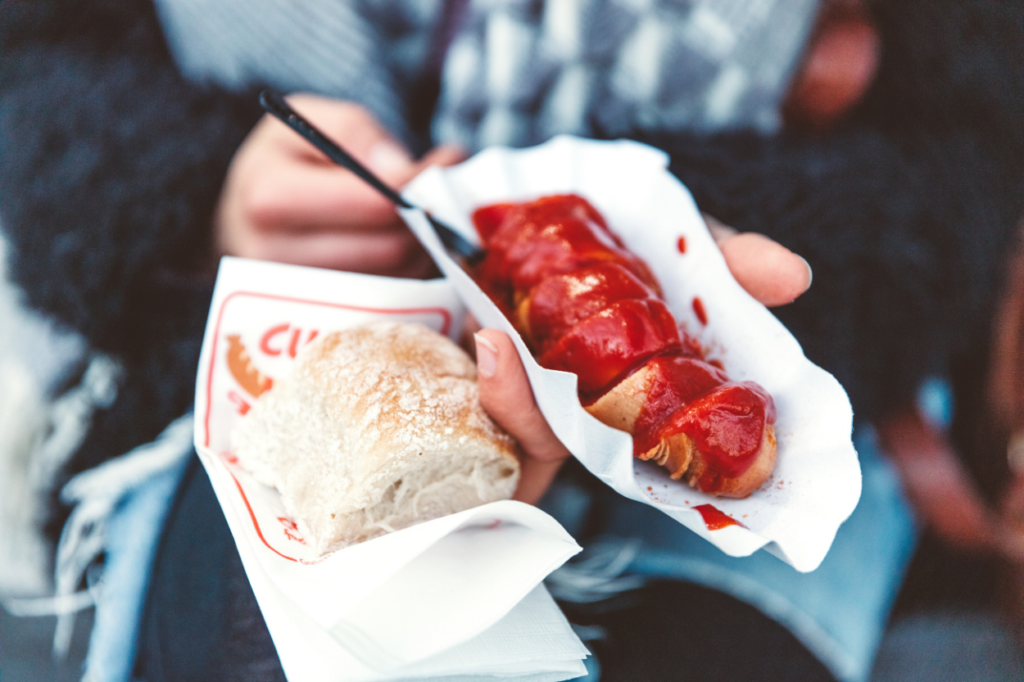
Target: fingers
379,254
535,477
305,198
312,196
1011,502
283,200
295,186
347,123
1011,543
941,491
506,395
719,230
445,155
769,271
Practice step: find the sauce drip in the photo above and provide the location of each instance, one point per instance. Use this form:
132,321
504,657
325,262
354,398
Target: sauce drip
681,245
698,309
715,519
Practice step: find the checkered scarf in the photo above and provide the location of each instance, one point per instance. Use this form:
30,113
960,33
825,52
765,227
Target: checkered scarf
517,71
367,51
521,70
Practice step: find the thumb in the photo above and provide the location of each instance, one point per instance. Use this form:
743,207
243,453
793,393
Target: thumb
445,155
506,395
769,271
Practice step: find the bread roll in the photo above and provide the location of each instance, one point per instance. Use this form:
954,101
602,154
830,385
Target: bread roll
377,428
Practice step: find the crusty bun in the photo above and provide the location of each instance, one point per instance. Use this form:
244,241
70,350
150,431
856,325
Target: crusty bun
377,428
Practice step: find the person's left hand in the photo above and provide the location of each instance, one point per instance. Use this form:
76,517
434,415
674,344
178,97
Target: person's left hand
284,201
770,272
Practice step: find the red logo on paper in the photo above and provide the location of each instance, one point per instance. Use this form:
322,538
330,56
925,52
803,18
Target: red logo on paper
282,338
291,530
245,373
273,343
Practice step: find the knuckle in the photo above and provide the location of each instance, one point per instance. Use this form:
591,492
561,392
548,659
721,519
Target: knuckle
260,203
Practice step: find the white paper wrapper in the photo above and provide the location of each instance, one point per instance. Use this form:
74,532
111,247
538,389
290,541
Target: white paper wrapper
458,595
816,483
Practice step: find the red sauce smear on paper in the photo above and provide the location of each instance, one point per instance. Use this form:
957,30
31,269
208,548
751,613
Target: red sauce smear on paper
715,519
681,245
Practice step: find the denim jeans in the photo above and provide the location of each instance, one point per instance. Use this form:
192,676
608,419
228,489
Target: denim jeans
838,611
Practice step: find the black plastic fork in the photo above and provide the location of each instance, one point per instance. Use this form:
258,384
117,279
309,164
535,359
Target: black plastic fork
275,104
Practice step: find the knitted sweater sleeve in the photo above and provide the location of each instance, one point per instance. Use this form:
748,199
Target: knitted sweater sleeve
905,213
111,168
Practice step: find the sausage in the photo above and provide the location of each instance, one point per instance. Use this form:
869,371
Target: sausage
585,304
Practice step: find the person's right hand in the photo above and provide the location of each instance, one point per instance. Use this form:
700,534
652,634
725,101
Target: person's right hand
284,201
943,493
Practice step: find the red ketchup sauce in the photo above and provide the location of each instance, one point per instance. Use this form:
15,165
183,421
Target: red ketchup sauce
560,301
588,306
607,347
727,426
681,245
698,309
715,519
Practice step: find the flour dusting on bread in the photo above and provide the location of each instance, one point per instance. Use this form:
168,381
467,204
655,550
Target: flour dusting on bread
377,428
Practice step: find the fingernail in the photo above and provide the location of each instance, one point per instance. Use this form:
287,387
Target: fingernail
810,273
387,157
486,357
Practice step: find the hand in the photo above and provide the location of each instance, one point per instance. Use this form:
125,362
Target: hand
1011,515
944,495
771,273
506,395
284,201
